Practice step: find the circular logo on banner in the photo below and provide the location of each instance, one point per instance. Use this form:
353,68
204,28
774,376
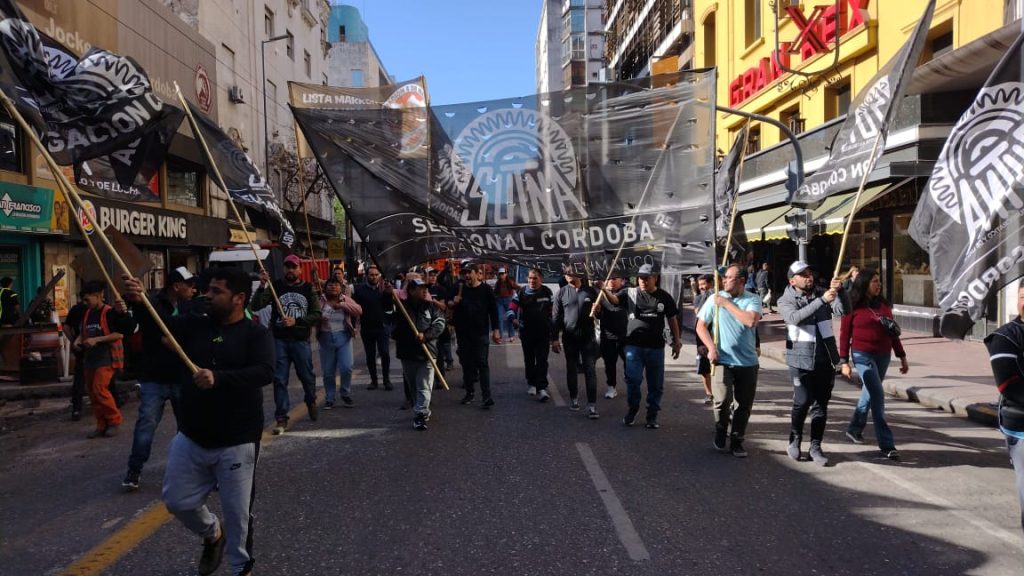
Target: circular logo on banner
414,125
204,91
87,206
511,155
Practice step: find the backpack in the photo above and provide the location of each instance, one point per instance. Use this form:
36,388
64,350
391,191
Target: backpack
117,347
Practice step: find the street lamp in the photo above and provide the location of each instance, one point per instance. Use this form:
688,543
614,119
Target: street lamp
266,131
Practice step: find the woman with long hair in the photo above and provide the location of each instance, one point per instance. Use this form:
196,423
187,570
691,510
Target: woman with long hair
868,344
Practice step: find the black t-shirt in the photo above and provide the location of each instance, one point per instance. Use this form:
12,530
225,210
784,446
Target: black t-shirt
8,302
646,313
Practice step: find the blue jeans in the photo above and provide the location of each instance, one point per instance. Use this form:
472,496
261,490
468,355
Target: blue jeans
504,324
872,369
638,361
287,352
336,358
152,398
421,375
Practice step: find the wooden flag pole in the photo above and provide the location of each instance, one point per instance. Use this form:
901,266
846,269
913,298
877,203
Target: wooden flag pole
728,238
305,213
220,181
430,357
76,202
856,204
88,240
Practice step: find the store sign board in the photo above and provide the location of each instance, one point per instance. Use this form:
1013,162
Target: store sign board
137,221
335,249
817,33
25,208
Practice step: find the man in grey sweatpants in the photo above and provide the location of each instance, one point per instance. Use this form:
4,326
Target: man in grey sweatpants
221,420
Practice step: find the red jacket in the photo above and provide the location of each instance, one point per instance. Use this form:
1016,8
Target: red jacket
861,330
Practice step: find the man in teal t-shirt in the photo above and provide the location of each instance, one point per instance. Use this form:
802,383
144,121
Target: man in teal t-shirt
736,352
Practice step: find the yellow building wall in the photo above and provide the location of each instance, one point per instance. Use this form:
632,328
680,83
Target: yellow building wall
863,50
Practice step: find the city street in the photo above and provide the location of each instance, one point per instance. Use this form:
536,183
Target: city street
528,488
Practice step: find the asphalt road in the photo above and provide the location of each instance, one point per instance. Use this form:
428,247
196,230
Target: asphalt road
529,488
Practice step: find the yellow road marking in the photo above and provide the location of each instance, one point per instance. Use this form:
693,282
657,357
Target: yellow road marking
106,553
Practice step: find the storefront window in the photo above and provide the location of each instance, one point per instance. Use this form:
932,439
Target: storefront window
863,248
10,145
912,279
184,183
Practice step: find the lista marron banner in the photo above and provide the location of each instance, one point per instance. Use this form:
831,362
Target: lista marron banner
84,107
969,217
868,120
587,180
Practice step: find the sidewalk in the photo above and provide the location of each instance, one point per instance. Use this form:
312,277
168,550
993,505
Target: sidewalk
952,376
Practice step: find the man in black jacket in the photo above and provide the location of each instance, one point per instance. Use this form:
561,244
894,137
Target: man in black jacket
475,316
1006,350
416,368
159,374
571,318
301,306
221,419
374,296
530,313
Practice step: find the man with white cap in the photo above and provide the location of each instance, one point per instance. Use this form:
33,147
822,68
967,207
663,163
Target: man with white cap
159,374
811,352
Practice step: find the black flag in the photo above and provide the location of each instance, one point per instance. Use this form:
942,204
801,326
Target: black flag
727,190
870,115
92,106
969,217
245,184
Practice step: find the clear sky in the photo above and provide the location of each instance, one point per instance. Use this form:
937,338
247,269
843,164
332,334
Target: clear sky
469,50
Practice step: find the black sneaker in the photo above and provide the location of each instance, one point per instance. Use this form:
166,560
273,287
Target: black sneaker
76,415
213,553
721,434
312,410
652,424
467,399
388,386
419,422
574,404
893,454
372,386
630,418
328,405
347,402
487,404
131,480
737,449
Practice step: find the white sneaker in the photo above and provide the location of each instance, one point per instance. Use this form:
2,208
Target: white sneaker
544,396
611,393
532,390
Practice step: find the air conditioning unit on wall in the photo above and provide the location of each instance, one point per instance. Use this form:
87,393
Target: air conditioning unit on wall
235,95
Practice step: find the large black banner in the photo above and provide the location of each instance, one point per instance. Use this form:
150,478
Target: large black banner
969,218
90,107
130,174
727,191
560,181
245,184
870,115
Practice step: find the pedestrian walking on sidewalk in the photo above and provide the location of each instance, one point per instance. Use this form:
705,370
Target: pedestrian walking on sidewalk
218,443
648,308
811,353
1006,353
736,352
704,286
337,329
865,343
504,289
375,297
301,306
159,375
764,281
613,321
570,318
530,313
475,316
409,343
100,340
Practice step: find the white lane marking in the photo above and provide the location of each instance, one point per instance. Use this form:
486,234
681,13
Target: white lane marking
556,396
1006,536
623,525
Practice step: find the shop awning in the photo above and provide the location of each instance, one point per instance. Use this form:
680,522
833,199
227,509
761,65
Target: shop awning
830,217
965,68
767,224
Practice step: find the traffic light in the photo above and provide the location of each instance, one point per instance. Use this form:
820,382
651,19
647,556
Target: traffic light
796,225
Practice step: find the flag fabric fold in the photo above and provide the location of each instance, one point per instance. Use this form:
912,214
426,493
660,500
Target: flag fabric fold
969,216
869,118
727,191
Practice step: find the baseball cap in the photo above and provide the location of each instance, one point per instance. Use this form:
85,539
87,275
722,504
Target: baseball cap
180,274
501,270
292,259
645,271
617,273
797,268
469,267
429,269
414,283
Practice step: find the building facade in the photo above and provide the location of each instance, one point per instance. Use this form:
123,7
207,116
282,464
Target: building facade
645,37
804,70
570,44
